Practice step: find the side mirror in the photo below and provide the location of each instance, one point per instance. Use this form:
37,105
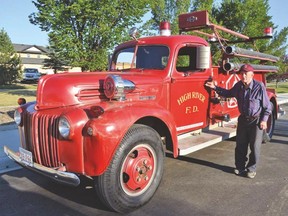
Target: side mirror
109,61
203,57
133,32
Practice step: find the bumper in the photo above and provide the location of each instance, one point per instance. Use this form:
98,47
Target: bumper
58,176
30,79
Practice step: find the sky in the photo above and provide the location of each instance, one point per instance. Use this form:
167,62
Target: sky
14,19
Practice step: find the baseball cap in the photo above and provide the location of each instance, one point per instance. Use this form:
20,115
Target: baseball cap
246,68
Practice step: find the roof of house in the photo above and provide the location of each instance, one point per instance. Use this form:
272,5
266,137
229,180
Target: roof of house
24,48
32,61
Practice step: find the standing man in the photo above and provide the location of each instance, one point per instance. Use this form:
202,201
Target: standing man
254,107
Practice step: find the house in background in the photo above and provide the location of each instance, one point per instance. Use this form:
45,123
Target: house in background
32,56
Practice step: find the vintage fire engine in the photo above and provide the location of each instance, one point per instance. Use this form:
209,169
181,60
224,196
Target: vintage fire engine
115,127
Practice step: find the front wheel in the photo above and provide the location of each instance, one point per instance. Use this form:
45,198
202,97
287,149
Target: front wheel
135,171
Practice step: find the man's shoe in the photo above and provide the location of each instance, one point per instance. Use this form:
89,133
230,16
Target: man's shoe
239,172
251,174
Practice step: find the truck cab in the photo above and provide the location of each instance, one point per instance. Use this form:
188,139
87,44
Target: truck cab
183,67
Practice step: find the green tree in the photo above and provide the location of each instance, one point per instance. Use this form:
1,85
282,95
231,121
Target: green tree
9,60
234,15
165,10
249,17
83,31
55,60
208,5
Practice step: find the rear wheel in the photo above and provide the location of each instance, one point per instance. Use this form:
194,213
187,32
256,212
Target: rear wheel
270,124
135,171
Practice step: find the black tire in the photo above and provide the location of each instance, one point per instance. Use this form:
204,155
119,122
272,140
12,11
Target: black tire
135,171
270,125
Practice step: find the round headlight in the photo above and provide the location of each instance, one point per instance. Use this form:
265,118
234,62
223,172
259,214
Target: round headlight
17,117
64,127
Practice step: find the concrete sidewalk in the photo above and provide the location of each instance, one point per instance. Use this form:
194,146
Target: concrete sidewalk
282,98
9,136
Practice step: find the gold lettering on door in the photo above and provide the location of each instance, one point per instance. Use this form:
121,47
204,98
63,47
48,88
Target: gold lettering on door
191,109
190,96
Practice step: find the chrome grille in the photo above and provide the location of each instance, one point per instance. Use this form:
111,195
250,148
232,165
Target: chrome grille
41,138
90,92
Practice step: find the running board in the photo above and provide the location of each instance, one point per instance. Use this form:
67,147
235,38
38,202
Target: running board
191,142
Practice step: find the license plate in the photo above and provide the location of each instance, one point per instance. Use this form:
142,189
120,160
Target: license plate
26,157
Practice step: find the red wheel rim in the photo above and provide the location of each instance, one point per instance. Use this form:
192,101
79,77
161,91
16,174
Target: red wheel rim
138,170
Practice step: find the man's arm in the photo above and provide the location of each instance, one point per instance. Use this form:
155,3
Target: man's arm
223,92
266,108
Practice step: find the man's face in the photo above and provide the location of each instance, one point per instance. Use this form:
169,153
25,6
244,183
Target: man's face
247,77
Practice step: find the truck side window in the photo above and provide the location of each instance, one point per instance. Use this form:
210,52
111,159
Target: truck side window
186,59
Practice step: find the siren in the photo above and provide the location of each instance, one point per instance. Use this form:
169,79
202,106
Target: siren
268,31
165,28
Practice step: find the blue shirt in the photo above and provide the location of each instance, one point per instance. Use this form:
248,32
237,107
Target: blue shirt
253,101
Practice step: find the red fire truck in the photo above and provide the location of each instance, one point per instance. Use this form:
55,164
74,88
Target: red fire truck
115,127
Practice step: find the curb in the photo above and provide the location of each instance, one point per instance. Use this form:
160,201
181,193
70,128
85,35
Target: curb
282,98
10,126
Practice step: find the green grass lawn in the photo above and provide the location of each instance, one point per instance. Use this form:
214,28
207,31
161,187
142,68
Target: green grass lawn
9,94
282,87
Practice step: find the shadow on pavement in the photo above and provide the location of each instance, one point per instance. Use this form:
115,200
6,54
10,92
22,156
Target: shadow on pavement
223,168
81,195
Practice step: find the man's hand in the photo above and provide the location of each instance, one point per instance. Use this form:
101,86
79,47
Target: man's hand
263,125
210,85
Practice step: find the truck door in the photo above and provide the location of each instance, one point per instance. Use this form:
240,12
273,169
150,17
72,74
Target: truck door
189,97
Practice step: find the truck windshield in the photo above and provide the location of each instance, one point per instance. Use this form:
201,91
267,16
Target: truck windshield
147,57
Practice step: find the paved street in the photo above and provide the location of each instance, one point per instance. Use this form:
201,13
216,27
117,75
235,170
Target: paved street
201,183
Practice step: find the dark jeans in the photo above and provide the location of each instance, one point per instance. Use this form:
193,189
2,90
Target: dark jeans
248,134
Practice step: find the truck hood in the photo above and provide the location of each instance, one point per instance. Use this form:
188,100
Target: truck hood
69,89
